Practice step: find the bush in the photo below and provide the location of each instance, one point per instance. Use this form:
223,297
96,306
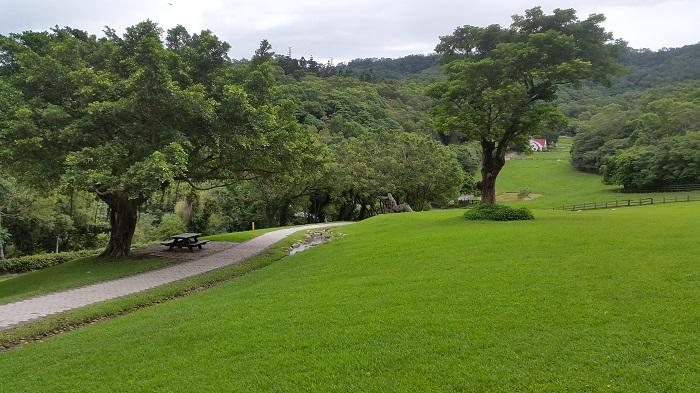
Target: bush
40,261
671,161
498,213
170,224
146,231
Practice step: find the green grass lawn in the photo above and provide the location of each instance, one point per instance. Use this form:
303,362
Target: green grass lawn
596,301
551,175
237,237
72,274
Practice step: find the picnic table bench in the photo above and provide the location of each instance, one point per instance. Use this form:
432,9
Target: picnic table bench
189,240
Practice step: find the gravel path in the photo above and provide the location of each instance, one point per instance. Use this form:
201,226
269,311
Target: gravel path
25,310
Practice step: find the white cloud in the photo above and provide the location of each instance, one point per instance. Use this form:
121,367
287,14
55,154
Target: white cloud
667,24
346,29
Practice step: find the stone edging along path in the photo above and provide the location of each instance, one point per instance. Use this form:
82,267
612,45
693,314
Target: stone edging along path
25,310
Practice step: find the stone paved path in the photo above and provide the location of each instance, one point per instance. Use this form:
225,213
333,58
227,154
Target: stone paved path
25,310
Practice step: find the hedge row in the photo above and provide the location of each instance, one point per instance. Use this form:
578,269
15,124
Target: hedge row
40,261
498,213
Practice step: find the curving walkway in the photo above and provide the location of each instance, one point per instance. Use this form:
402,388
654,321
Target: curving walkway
41,306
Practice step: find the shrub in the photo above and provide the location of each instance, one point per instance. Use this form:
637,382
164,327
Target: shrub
171,224
146,231
671,161
498,213
40,261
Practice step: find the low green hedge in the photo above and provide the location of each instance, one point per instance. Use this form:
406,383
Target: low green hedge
40,261
498,213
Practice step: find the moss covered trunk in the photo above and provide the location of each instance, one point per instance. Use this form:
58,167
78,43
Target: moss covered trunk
493,161
123,215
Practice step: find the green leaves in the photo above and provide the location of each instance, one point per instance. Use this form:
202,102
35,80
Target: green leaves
501,72
500,81
674,160
160,168
413,167
634,119
6,191
496,76
130,114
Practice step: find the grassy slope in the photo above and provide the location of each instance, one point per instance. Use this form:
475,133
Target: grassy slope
72,274
587,301
551,175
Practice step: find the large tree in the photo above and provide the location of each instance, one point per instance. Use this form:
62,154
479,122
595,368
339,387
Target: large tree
415,168
125,116
501,81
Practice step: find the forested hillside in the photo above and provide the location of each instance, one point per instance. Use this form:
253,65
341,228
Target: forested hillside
390,69
644,69
642,131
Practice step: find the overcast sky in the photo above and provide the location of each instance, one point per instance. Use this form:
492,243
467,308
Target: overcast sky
347,29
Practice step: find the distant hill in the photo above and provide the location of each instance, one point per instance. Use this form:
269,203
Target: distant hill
392,90
648,68
644,69
375,70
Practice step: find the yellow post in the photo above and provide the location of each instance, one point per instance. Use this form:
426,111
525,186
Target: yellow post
253,225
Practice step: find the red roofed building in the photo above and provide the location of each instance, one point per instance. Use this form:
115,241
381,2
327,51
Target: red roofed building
538,144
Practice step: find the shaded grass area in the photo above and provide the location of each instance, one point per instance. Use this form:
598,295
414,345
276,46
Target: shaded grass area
69,320
598,301
238,237
73,274
551,175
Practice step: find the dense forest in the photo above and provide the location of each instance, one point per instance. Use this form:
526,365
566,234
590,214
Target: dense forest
642,132
360,130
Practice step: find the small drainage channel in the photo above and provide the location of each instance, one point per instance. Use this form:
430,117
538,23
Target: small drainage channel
312,239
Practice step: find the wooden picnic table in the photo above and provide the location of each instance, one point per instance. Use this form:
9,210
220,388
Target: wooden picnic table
189,240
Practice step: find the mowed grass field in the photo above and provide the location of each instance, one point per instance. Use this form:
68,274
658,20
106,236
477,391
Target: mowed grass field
596,301
551,175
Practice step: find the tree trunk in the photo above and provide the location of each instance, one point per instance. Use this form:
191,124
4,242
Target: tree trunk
492,162
283,213
363,211
122,220
318,201
270,214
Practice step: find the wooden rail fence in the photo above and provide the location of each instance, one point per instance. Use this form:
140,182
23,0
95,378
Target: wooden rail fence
629,202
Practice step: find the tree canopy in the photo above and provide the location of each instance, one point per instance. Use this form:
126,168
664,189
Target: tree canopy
641,140
124,117
501,82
